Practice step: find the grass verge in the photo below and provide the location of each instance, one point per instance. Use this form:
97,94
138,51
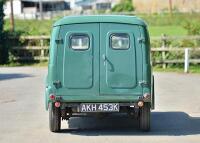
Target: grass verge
178,69
31,64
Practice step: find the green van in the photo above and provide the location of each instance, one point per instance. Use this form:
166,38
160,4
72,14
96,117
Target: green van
97,65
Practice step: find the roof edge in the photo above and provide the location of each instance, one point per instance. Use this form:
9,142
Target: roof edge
100,19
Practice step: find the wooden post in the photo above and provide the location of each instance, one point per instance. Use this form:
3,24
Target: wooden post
186,61
164,42
12,28
170,7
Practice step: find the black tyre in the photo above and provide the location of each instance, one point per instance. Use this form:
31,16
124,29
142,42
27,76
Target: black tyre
54,118
144,117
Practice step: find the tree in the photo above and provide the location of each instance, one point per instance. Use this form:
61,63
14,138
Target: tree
1,16
3,50
124,6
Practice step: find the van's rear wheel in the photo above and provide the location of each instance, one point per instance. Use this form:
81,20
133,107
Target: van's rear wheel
54,118
144,117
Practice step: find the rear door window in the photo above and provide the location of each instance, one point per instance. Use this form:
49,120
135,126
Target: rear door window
120,41
79,41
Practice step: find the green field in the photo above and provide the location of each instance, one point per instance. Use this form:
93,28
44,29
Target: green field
35,27
31,27
158,24
168,30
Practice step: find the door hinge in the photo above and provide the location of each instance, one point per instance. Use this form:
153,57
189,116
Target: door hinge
59,41
57,84
141,39
143,83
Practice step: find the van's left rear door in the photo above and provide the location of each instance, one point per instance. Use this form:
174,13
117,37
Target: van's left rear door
78,70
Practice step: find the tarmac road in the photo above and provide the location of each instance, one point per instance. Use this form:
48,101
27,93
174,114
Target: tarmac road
23,118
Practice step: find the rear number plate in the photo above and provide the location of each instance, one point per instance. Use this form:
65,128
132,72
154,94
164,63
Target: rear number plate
99,107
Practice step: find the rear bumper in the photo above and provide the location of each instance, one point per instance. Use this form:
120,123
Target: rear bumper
97,99
75,101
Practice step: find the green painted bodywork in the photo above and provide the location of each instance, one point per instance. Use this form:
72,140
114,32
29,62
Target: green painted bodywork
100,73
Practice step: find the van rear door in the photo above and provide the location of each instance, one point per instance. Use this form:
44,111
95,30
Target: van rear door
78,59
120,59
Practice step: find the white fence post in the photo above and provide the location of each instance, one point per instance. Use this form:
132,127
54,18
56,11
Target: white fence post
164,42
42,47
186,62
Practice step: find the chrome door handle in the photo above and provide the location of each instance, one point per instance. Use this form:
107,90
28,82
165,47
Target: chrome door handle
104,59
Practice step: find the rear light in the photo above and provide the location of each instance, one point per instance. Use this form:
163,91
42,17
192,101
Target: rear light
57,104
140,103
52,97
